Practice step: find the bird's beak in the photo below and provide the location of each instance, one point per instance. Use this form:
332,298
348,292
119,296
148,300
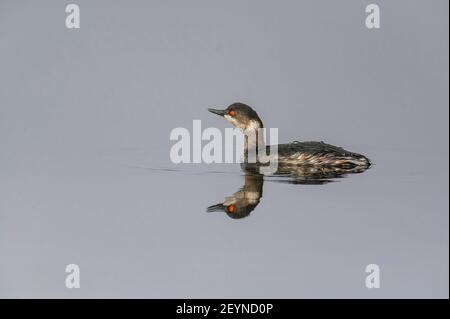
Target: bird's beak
218,112
215,208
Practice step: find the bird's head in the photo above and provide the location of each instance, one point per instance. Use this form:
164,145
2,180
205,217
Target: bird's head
240,115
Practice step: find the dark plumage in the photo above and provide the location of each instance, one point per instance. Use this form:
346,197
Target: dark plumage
296,153
319,153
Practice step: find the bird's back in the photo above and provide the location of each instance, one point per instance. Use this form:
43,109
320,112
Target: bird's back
318,154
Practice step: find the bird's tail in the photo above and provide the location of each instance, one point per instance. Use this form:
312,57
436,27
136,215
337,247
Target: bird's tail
357,160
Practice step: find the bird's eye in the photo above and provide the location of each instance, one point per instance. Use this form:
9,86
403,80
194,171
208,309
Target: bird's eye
231,208
232,113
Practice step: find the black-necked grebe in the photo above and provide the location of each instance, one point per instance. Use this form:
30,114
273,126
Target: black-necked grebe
311,154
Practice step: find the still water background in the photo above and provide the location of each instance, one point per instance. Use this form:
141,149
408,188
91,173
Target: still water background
85,117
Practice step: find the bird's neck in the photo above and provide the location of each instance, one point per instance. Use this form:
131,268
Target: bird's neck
254,140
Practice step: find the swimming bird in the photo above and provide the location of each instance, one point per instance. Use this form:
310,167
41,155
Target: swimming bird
306,156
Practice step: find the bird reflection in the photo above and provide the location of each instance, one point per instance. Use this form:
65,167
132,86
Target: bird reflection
245,200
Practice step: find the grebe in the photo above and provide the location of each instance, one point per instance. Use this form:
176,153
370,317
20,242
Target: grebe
316,156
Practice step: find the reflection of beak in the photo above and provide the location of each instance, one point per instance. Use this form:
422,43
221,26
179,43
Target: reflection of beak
218,112
215,208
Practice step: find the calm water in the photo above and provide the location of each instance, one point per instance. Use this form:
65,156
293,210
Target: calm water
140,232
85,178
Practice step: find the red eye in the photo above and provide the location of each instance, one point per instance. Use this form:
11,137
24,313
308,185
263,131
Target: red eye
232,113
231,208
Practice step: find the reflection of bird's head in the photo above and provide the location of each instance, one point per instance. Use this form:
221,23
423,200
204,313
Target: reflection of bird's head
240,115
244,201
235,211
